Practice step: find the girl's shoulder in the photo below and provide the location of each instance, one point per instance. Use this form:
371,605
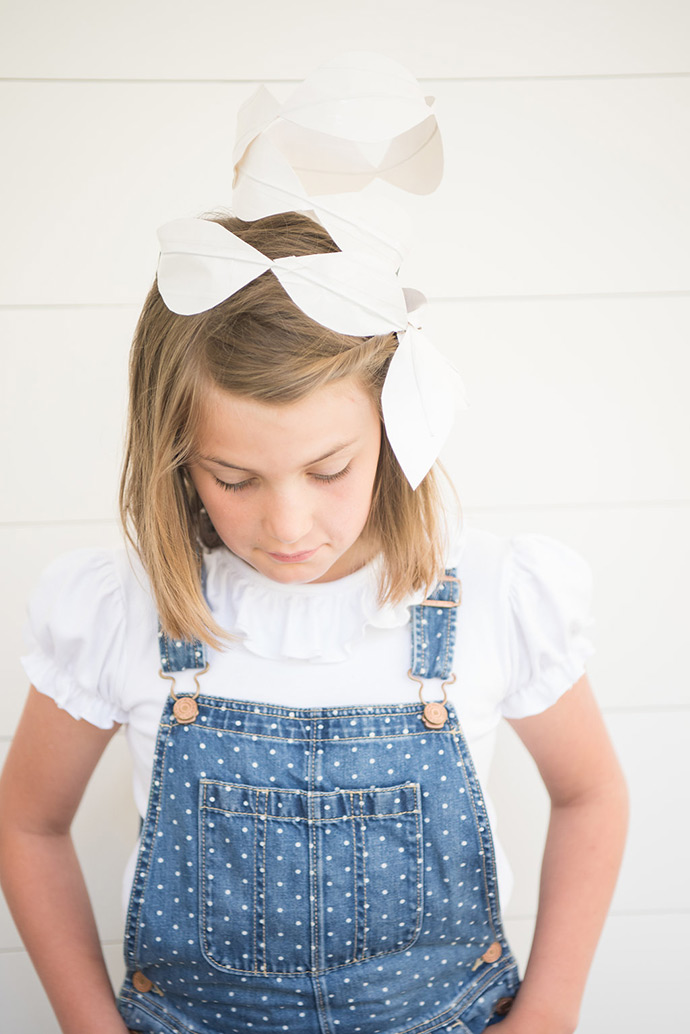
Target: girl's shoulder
78,618
527,599
512,566
77,585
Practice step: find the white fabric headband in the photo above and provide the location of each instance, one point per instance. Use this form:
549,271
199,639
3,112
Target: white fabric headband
201,264
356,122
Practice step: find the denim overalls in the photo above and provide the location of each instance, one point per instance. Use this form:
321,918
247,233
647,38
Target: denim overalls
316,870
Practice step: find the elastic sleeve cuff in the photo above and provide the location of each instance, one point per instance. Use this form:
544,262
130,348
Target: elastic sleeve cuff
76,637
549,588
44,675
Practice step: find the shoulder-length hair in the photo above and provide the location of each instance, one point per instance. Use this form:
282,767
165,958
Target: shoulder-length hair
260,345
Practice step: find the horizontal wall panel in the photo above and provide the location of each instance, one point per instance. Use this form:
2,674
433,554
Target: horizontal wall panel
640,560
651,747
25,552
215,39
570,401
123,159
631,987
105,831
25,1007
64,410
564,187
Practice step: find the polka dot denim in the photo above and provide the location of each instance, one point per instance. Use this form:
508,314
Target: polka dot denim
315,871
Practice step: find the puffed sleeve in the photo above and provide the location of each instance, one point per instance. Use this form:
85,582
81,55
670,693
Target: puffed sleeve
548,597
75,636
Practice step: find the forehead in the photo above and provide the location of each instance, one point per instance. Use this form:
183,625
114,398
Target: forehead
231,425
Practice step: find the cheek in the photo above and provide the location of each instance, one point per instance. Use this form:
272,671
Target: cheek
234,523
352,507
218,502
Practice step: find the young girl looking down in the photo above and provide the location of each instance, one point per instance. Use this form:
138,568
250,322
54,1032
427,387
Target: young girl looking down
309,658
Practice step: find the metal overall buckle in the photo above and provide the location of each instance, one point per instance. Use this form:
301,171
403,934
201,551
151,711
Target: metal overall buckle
185,707
434,714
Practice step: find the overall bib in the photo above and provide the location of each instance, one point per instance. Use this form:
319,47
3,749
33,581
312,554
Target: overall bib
316,870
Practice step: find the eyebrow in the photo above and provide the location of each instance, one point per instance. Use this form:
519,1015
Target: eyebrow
248,470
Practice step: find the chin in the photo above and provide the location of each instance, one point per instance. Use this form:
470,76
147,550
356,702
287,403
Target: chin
295,574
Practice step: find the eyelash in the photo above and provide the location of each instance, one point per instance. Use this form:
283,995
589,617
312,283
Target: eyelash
239,486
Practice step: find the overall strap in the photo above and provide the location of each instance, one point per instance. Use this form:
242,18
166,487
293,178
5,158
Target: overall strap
433,629
178,654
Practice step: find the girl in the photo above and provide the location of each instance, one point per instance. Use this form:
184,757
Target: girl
315,853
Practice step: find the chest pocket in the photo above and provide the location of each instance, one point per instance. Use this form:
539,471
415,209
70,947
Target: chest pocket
302,882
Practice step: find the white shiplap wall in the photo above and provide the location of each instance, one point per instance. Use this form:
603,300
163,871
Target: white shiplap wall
555,254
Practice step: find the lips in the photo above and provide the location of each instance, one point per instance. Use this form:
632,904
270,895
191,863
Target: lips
293,558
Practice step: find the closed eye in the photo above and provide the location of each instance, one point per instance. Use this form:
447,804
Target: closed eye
332,477
239,486
236,487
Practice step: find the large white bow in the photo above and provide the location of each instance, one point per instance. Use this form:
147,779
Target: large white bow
359,123
201,264
356,117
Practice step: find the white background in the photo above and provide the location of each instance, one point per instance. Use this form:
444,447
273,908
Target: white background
556,258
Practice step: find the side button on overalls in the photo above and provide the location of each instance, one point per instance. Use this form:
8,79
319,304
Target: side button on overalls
316,870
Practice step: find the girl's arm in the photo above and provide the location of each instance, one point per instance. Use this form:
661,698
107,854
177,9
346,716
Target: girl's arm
47,769
584,845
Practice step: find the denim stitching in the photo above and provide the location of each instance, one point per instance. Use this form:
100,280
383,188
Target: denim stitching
176,1026
140,880
311,859
420,864
448,653
469,996
364,874
341,818
482,839
429,658
304,714
488,855
203,881
265,882
256,880
355,876
306,739
321,1004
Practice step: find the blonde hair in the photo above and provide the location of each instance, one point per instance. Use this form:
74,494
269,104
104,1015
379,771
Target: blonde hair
260,345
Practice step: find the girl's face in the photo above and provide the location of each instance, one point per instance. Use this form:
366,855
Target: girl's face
288,488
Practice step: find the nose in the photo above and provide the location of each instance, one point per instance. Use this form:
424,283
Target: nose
288,519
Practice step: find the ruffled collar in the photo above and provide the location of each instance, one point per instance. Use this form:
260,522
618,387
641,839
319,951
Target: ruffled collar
319,622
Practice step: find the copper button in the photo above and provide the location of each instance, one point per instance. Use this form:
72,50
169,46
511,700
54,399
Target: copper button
503,1006
185,710
493,952
434,715
141,982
